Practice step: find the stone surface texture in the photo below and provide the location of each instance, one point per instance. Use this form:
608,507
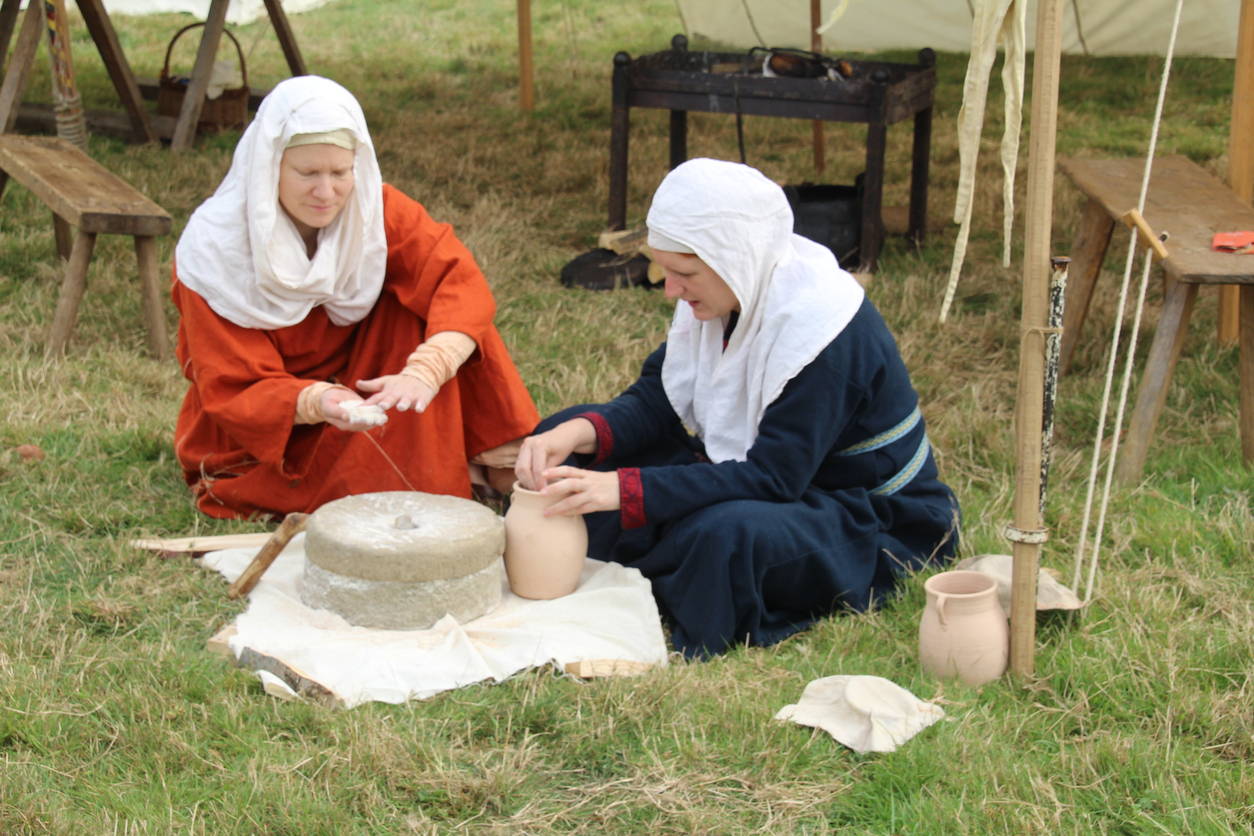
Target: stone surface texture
401,560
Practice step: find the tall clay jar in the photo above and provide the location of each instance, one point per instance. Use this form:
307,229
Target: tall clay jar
963,632
543,555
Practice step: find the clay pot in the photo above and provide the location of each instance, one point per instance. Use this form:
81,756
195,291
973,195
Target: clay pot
543,555
963,632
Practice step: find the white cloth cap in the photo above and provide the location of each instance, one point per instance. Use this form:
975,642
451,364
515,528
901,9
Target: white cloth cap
243,254
1050,593
865,713
794,300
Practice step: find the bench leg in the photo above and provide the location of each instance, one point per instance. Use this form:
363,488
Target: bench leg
150,290
1088,252
1159,366
72,288
64,236
1247,373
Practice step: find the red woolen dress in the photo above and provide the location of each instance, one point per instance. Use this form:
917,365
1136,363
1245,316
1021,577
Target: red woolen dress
236,439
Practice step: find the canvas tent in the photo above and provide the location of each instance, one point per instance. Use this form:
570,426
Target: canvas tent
1094,27
240,11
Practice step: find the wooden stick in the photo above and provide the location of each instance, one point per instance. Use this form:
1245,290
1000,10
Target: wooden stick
200,545
816,45
292,525
1240,155
526,89
1135,220
1029,407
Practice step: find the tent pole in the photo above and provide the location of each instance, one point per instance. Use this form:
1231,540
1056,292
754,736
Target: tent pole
1028,530
1240,155
816,45
526,90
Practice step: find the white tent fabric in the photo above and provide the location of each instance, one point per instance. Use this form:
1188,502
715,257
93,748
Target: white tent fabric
238,12
1095,27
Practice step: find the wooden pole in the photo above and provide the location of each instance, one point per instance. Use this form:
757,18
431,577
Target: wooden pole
67,104
1038,212
526,88
1240,156
816,45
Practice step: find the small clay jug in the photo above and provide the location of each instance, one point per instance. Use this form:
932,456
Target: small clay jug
543,555
963,632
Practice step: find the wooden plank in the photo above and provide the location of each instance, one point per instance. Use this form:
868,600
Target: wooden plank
39,118
297,680
79,189
595,668
202,544
219,643
106,39
1184,200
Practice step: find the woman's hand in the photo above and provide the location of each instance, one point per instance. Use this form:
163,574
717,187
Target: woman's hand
582,491
398,390
548,449
334,414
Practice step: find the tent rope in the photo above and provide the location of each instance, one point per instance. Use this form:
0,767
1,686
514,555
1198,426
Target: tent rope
1114,345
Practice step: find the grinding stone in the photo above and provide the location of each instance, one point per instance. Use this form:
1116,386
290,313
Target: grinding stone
368,536
391,605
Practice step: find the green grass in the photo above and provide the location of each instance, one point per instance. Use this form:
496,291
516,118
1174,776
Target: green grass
115,719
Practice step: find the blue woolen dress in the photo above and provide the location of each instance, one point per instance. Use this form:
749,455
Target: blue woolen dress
837,500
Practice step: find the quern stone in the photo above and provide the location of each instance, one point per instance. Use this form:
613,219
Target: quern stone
401,560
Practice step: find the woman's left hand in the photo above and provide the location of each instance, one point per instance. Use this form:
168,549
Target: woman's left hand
398,390
582,491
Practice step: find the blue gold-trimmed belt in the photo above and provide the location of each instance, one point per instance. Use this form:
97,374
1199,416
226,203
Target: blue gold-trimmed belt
902,478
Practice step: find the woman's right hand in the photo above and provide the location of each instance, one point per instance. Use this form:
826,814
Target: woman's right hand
549,449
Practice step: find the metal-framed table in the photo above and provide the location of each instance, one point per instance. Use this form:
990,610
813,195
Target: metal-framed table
875,93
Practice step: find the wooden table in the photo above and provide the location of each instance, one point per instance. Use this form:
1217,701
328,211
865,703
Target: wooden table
1191,205
877,94
137,124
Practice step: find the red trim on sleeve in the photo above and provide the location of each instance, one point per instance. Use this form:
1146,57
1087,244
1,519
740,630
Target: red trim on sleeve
605,436
630,498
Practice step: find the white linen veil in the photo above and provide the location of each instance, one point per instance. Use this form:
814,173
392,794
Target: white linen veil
243,254
794,300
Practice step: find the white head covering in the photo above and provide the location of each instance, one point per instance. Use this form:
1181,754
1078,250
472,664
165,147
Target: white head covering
794,300
244,255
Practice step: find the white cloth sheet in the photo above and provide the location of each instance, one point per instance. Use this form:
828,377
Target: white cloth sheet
612,615
865,713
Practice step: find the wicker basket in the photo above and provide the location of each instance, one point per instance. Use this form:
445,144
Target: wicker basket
229,110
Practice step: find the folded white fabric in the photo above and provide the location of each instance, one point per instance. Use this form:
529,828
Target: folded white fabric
865,713
1050,594
611,616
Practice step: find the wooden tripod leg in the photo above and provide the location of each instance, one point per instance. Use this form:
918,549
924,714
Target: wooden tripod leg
72,288
1164,351
150,294
14,86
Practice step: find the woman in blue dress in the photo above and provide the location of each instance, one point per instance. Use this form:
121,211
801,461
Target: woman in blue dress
770,466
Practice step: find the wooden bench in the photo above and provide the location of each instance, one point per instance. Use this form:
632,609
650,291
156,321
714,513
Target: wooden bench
81,193
1191,205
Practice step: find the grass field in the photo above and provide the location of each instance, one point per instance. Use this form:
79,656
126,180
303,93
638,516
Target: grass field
115,719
